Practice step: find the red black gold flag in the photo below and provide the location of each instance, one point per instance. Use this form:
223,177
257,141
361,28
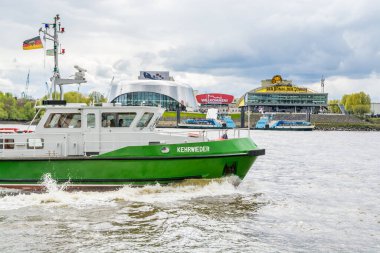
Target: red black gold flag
34,43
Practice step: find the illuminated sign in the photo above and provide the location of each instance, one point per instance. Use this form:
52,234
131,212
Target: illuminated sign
215,98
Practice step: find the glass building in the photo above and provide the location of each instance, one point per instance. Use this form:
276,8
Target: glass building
154,88
147,98
277,95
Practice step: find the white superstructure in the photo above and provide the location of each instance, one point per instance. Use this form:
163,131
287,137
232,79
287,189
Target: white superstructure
80,130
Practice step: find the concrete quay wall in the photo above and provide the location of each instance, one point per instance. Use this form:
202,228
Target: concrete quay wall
322,121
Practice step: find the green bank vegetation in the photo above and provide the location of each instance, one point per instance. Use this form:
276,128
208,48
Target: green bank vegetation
363,126
13,108
355,103
184,115
77,97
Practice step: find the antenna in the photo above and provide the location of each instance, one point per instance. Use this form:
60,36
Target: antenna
56,78
323,84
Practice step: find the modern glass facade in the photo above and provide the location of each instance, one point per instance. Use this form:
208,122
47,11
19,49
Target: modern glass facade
286,102
274,99
146,98
279,95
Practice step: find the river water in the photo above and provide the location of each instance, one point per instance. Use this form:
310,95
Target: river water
311,192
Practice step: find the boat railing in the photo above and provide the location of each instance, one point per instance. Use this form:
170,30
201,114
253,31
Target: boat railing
61,146
204,133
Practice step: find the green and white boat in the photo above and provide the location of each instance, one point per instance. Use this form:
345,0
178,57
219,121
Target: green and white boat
110,145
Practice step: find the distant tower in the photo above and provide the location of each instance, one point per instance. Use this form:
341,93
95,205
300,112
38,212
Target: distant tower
323,84
24,94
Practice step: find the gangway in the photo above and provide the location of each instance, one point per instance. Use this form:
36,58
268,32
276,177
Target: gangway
342,109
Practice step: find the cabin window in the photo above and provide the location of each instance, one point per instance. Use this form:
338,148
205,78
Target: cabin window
36,143
7,143
91,120
145,119
122,119
64,120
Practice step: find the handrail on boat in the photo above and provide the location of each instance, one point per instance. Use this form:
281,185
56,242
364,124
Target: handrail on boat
61,147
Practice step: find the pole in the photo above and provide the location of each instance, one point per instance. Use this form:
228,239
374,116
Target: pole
178,114
242,117
249,124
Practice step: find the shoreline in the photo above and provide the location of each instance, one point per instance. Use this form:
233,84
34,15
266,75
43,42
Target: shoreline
319,126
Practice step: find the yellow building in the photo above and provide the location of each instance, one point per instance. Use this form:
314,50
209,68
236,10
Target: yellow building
278,95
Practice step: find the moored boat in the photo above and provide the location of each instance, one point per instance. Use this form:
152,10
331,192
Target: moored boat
266,122
212,121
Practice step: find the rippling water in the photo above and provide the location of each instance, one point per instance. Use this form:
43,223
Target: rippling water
312,192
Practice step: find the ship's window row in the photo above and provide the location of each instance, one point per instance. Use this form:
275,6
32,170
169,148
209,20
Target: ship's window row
108,119
7,143
63,120
117,119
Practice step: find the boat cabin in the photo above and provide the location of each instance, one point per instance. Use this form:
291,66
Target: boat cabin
81,130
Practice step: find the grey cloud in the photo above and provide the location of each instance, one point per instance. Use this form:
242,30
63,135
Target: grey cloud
104,71
121,65
249,40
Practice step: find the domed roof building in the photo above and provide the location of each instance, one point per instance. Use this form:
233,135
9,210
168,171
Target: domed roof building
154,88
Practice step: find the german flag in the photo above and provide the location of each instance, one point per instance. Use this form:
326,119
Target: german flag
34,43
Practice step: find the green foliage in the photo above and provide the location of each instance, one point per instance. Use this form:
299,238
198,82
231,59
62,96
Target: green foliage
361,109
75,97
12,108
184,115
357,103
333,106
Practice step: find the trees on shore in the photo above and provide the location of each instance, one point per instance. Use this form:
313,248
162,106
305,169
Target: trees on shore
355,103
13,108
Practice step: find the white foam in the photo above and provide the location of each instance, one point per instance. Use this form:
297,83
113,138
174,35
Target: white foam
57,196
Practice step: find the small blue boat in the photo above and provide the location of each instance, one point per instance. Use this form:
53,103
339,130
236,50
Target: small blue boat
212,121
266,122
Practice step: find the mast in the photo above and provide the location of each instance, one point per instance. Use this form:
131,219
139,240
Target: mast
56,78
55,48
323,84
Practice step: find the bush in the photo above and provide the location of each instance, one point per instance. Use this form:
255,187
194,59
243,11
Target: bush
361,109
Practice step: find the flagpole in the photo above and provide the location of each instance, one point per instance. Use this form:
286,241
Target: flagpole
56,78
56,70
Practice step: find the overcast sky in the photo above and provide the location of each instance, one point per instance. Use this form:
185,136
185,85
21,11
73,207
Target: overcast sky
225,46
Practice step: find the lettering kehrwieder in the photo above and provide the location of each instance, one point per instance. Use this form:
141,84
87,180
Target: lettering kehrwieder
197,149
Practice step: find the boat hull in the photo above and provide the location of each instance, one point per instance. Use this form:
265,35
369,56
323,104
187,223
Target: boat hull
189,126
135,165
286,129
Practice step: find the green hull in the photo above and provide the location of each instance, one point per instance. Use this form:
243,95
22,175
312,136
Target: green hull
137,165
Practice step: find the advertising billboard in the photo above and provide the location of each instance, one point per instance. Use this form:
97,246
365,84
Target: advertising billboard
154,75
214,98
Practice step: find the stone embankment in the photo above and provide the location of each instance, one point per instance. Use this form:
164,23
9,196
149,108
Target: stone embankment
323,122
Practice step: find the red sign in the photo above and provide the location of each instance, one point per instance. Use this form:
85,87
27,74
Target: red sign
214,98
